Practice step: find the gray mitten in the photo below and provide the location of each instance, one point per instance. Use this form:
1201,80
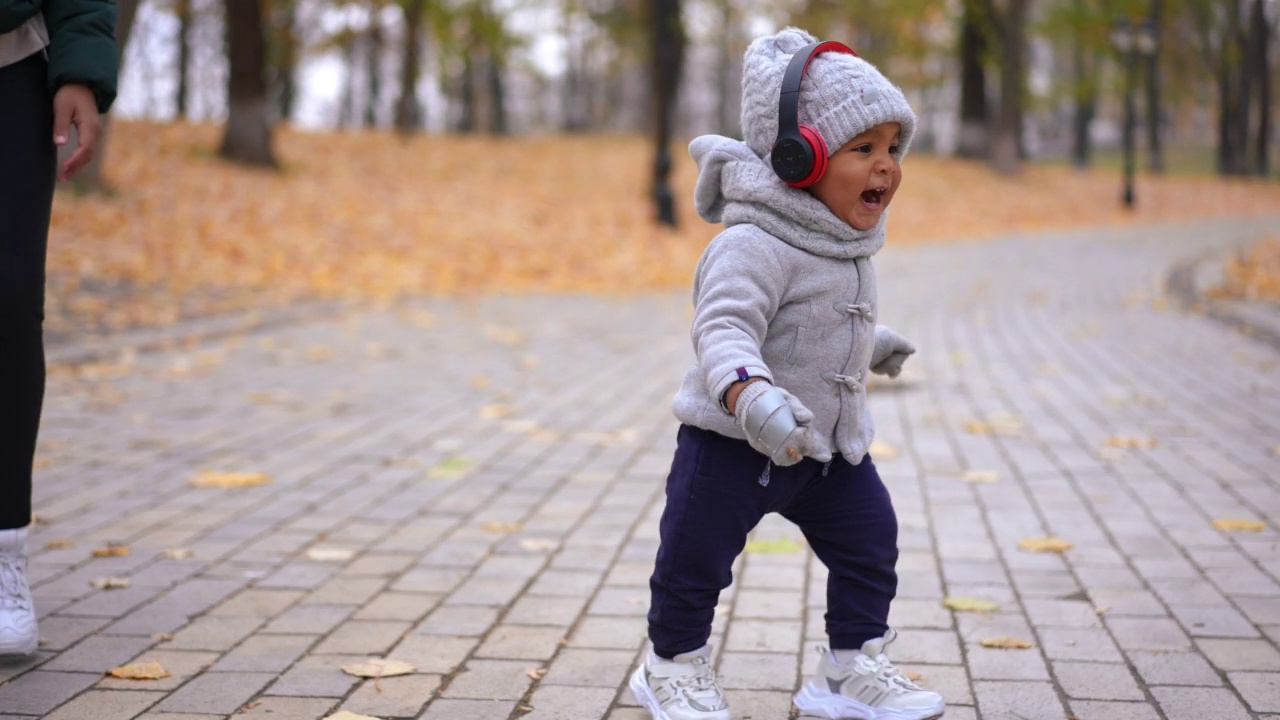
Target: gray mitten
890,353
775,421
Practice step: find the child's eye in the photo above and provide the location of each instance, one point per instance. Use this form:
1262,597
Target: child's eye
894,149
863,148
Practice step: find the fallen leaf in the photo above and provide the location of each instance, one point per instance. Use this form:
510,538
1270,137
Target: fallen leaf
501,527
1101,610
1131,442
330,554
538,544
59,544
111,550
1044,544
110,583
214,479
969,604
1006,643
162,637
348,715
38,520
379,668
139,671
480,381
178,554
535,673
493,412
773,546
980,477
1002,425
1239,525
450,469
503,334
914,677
881,450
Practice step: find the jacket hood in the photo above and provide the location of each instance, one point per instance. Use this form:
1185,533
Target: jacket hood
735,186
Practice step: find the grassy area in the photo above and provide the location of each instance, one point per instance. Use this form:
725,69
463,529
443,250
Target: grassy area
372,217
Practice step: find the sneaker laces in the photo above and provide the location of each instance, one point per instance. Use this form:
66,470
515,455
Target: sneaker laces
14,594
883,670
697,681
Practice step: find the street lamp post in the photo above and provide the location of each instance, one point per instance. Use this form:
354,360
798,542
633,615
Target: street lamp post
1131,42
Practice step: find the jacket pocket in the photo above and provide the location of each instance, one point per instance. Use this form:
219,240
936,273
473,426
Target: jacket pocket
801,335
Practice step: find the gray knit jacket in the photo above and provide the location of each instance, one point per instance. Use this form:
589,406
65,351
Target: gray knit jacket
786,292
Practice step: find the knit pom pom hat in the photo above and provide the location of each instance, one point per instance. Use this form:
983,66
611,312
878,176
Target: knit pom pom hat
841,96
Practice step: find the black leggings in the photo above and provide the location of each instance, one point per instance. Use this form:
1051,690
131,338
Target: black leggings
27,169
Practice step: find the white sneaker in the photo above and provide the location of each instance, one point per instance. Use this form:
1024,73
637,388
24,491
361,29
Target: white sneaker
868,688
684,688
18,633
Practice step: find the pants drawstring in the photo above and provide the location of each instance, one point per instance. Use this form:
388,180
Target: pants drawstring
764,476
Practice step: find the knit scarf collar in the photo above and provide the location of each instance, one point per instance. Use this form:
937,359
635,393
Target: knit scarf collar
735,186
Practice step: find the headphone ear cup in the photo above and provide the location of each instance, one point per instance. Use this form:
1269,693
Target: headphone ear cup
819,148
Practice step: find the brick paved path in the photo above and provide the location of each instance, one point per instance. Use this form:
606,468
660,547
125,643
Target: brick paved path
494,469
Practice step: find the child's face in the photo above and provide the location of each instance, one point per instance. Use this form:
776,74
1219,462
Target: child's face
862,176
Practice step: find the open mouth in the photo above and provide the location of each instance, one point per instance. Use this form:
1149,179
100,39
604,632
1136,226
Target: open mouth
874,198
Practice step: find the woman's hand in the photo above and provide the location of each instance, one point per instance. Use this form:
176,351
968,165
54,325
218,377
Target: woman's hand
75,105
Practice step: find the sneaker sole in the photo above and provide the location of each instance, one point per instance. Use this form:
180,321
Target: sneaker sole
22,651
826,704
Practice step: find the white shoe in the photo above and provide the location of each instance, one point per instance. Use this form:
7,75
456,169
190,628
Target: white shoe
684,688
867,688
18,633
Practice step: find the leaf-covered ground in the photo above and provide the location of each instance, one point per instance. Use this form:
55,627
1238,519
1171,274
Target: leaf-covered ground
372,217
1253,274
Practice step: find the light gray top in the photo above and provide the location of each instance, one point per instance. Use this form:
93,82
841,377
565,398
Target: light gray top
786,292
28,39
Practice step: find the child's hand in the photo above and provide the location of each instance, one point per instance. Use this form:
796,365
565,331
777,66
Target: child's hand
75,105
776,423
890,352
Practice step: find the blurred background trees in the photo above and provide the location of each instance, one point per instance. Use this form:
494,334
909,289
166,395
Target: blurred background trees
1006,81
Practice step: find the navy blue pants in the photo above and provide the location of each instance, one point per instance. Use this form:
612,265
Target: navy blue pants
714,498
27,164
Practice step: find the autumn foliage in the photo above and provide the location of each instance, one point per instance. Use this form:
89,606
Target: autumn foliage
1254,274
373,217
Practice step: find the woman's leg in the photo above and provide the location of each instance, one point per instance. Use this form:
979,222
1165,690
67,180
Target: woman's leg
26,195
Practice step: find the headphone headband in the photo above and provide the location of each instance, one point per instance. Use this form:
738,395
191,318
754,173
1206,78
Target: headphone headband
799,155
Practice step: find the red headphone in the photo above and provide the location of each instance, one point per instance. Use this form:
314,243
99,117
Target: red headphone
799,154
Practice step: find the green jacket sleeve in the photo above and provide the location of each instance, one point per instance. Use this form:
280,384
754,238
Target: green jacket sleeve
82,46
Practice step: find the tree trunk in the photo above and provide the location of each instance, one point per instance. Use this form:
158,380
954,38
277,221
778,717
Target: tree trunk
347,107
1155,149
1262,64
1006,147
90,179
467,92
497,94
374,65
974,118
726,124
408,112
247,138
183,10
286,66
1086,99
668,58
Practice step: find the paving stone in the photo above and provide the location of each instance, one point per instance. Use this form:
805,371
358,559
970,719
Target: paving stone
449,709
458,620
1094,710
106,705
317,676
1173,668
610,632
38,692
537,610
1179,703
213,633
398,606
757,671
1079,644
590,668
264,653
258,603
181,666
1005,700
1096,681
402,696
563,703
526,642
1258,655
98,654
367,637
1148,633
286,708
491,680
216,693
434,653
309,619
1261,690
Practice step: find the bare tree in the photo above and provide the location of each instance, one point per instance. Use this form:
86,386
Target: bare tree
182,8
975,119
667,61
247,137
408,111
1008,20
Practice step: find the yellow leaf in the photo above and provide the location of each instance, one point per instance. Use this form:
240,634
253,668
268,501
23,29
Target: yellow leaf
111,550
1044,544
881,450
379,668
59,544
969,604
1006,643
480,381
140,671
110,583
450,469
1239,525
501,527
914,677
214,479
774,546
493,412
330,554
535,673
980,477
348,715
1131,442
